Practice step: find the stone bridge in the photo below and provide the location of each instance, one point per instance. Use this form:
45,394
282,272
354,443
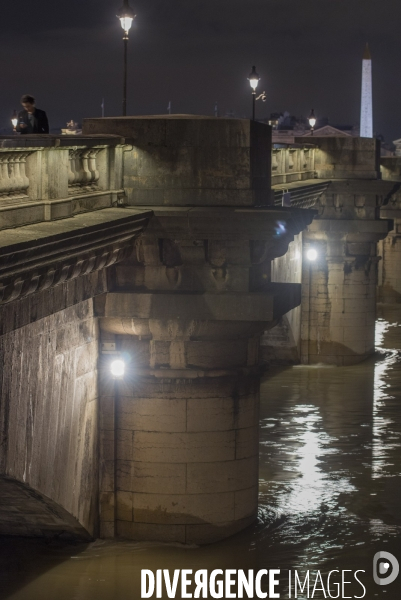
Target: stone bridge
162,241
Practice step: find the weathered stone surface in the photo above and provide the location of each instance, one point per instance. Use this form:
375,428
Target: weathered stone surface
158,415
345,157
184,509
48,414
25,512
390,247
192,160
184,447
54,177
226,476
36,257
150,532
214,414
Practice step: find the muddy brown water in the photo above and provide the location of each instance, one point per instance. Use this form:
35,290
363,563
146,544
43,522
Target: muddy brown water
330,494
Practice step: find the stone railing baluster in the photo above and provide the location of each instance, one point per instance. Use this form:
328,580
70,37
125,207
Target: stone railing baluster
84,174
14,182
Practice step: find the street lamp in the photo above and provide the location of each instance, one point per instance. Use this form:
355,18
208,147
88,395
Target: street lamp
312,121
126,16
254,80
311,254
14,120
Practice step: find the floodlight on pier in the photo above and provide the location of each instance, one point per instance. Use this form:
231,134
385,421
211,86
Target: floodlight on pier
312,254
117,368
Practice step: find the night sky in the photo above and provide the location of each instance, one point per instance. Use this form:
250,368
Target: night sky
68,54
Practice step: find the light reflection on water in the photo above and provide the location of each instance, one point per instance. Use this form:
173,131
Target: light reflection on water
330,491
384,440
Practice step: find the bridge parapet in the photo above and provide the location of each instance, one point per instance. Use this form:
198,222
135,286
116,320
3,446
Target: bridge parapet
293,164
51,177
390,167
336,321
327,158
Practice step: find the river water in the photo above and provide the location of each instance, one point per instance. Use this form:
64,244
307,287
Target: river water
330,492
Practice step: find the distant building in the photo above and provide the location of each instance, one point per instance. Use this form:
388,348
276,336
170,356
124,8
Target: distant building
287,127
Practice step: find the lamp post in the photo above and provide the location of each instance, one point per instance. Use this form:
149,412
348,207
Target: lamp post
126,16
312,121
253,80
14,120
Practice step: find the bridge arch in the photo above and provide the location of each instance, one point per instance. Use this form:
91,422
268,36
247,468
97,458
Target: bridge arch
26,512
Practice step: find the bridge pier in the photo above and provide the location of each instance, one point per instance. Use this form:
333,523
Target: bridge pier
336,323
179,458
338,311
187,431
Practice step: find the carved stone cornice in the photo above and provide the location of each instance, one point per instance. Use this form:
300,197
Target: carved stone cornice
37,257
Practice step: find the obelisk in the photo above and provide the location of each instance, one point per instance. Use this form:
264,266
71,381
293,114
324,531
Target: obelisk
366,96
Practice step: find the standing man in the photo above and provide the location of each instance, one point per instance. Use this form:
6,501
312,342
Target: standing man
31,119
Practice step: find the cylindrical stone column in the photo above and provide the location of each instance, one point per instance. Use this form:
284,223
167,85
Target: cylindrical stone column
339,294
187,430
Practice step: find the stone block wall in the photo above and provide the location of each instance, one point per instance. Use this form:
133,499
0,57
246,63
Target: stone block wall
389,290
49,412
187,456
345,157
339,308
192,160
390,267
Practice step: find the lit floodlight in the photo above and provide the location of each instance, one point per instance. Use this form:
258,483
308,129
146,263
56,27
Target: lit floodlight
117,368
311,254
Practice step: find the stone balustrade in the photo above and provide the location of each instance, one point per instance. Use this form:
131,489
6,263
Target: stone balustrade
14,182
83,173
51,177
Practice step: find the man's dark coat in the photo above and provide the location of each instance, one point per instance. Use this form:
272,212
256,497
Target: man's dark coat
41,123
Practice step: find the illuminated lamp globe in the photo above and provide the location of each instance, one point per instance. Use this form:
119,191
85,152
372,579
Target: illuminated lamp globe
14,119
311,254
126,16
312,118
117,368
254,79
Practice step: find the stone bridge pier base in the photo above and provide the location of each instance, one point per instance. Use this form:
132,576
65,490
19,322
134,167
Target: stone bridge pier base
339,291
187,430
179,452
179,456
